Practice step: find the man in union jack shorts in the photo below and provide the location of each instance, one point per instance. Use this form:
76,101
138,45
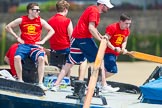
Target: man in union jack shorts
30,40
83,46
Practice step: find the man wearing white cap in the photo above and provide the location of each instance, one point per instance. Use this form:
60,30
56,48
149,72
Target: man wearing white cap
105,2
83,46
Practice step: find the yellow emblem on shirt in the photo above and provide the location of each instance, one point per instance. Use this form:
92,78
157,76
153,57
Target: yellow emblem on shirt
31,29
119,39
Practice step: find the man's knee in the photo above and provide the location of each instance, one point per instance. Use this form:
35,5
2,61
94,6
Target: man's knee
17,58
40,59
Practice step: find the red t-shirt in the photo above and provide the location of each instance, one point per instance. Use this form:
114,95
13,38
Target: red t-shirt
91,14
117,36
10,54
60,40
30,30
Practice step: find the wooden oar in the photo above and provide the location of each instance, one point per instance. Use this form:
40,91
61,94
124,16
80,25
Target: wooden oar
94,76
144,56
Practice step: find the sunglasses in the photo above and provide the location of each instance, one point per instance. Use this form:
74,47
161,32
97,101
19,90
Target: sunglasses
37,10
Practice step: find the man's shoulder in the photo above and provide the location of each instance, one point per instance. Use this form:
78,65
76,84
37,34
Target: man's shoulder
92,8
113,25
24,16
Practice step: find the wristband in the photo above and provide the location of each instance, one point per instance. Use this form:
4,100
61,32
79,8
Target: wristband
115,49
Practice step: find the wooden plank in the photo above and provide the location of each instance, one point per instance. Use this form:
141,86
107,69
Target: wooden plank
94,76
144,56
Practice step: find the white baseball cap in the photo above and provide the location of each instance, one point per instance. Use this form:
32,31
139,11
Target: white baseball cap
106,2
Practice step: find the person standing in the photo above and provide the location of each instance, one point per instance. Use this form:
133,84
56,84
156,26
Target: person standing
30,40
60,41
117,34
83,46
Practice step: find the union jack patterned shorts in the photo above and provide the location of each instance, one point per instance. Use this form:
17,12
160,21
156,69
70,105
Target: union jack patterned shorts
82,49
33,51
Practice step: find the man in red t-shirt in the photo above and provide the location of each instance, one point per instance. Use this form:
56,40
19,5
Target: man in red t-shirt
9,58
117,34
60,41
31,26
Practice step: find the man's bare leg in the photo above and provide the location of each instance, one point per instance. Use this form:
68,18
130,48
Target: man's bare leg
82,70
41,65
106,87
18,67
103,75
64,71
68,73
6,59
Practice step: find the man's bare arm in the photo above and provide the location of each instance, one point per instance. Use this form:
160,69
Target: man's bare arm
94,31
9,27
49,33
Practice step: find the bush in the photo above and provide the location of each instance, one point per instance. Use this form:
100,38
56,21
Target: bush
44,6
